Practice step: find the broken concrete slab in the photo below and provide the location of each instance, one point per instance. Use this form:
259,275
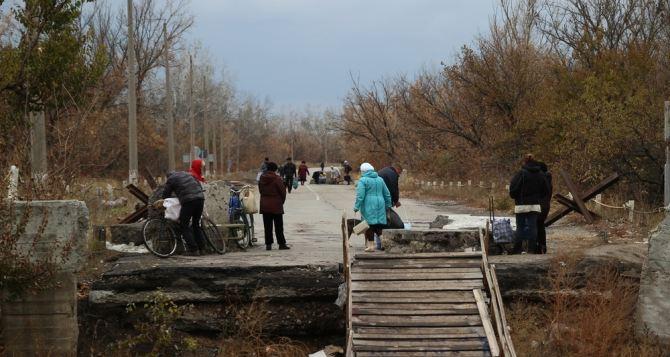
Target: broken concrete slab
653,309
45,322
127,233
57,229
526,277
430,241
440,221
300,300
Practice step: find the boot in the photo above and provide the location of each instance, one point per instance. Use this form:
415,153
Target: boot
369,246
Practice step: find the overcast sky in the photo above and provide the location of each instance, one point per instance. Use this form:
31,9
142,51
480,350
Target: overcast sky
301,52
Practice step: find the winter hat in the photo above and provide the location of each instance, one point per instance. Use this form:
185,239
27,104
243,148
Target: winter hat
366,167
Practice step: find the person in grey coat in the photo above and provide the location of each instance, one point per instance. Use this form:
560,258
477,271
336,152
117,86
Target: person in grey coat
192,200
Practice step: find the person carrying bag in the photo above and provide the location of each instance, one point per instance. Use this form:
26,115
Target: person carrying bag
372,200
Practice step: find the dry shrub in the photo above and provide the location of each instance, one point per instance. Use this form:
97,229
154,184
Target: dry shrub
249,339
590,317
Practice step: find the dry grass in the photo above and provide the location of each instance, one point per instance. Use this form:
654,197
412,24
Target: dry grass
250,339
592,320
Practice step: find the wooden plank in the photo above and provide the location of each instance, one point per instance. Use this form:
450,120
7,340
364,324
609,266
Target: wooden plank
355,276
424,261
577,196
363,270
423,354
350,344
443,349
422,285
417,263
417,321
414,306
347,279
486,322
465,344
419,332
415,312
392,337
445,255
495,307
589,194
508,334
413,297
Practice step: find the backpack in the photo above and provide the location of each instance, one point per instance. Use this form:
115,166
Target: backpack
501,228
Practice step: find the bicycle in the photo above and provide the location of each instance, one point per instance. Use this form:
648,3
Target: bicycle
241,223
162,236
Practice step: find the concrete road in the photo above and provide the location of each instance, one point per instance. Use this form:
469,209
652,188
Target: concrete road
312,229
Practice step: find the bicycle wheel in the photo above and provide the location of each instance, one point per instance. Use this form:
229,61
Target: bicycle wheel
212,235
160,237
244,234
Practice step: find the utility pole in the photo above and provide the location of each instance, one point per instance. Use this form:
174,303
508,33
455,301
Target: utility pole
222,147
190,108
290,123
132,100
666,171
214,148
38,146
325,147
205,125
237,140
168,102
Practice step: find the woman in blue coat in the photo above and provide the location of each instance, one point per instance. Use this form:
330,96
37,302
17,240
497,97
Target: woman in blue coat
372,199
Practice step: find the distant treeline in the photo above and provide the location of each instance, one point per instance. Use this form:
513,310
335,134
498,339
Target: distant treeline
581,84
68,58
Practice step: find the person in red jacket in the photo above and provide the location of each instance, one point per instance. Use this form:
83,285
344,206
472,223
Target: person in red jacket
303,171
273,196
196,170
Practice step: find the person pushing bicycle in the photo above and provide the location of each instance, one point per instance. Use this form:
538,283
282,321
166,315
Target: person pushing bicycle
192,200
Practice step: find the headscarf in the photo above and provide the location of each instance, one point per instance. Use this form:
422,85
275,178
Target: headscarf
366,167
196,170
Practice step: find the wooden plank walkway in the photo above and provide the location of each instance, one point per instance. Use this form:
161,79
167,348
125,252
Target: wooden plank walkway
427,304
417,304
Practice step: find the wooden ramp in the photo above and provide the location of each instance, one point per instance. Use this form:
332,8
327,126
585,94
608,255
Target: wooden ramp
426,304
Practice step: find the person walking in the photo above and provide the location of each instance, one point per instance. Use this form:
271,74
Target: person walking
528,187
289,173
273,196
347,172
196,170
263,169
192,201
303,171
372,200
391,176
545,205
323,166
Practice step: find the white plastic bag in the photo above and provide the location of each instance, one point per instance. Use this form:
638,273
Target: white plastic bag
249,202
172,208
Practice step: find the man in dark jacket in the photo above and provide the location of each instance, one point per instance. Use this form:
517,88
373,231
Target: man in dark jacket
528,188
347,172
273,196
391,175
288,173
192,200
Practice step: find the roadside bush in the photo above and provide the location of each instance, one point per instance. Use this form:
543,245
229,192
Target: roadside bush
249,339
572,320
155,334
